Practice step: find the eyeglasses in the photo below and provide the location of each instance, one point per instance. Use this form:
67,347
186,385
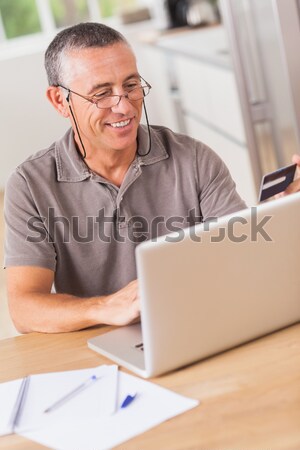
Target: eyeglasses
134,92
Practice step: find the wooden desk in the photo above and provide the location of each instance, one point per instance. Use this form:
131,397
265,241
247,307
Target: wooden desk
250,395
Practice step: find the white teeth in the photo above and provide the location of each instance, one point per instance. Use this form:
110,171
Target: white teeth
120,124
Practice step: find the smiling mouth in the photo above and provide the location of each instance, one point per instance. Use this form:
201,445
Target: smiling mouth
120,124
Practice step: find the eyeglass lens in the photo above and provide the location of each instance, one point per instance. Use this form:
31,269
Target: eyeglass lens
113,100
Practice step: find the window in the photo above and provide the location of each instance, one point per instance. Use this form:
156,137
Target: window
24,17
68,12
109,8
19,17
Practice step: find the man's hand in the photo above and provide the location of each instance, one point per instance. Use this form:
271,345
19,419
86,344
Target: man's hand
122,307
295,185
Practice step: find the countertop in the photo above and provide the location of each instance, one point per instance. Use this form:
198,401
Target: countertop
207,44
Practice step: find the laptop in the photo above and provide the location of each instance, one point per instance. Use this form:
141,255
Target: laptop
212,287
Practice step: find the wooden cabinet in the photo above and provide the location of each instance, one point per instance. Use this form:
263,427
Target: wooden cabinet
209,92
211,113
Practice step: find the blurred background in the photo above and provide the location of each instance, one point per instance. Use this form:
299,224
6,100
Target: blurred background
225,72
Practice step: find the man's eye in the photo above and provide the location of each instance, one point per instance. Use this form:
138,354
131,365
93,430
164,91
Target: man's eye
131,86
102,94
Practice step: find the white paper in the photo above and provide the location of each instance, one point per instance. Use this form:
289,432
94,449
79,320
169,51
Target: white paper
152,406
8,396
97,400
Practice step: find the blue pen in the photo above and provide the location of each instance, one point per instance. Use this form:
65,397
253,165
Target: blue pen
128,399
72,394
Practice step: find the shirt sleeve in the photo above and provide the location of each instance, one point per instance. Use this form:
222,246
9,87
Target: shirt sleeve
26,239
218,195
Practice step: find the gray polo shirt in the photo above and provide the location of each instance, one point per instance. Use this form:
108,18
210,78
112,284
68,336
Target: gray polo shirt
64,217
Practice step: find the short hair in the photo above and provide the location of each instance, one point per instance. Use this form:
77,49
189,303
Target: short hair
80,36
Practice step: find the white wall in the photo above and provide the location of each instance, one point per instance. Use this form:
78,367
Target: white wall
28,121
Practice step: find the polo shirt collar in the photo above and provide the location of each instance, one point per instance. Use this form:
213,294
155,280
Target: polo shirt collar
71,167
69,164
158,151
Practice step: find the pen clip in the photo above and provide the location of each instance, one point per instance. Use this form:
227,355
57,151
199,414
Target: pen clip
128,399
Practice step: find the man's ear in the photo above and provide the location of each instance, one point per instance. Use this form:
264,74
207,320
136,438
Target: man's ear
58,100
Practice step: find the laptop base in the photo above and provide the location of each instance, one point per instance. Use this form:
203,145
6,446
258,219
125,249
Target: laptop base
124,346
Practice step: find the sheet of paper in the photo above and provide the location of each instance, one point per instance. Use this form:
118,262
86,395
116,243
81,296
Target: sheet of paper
152,406
98,400
8,395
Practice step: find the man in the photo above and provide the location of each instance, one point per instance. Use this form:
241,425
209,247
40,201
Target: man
76,211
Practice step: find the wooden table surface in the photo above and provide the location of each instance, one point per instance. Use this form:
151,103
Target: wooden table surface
250,395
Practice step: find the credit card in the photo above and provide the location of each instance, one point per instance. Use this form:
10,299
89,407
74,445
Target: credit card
276,182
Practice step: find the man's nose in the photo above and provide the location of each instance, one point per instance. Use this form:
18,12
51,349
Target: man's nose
123,104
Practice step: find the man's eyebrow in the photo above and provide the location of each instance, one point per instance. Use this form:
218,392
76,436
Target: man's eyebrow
98,86
133,75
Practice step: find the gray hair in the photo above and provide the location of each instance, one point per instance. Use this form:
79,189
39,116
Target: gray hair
80,36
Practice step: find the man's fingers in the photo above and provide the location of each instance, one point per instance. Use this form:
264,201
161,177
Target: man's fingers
296,159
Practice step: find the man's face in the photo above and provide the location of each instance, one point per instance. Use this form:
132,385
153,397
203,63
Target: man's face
104,71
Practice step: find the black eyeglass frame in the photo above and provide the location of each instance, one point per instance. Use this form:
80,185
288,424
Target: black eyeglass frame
95,101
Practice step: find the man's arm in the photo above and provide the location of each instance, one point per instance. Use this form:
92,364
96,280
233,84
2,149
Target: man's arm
34,308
